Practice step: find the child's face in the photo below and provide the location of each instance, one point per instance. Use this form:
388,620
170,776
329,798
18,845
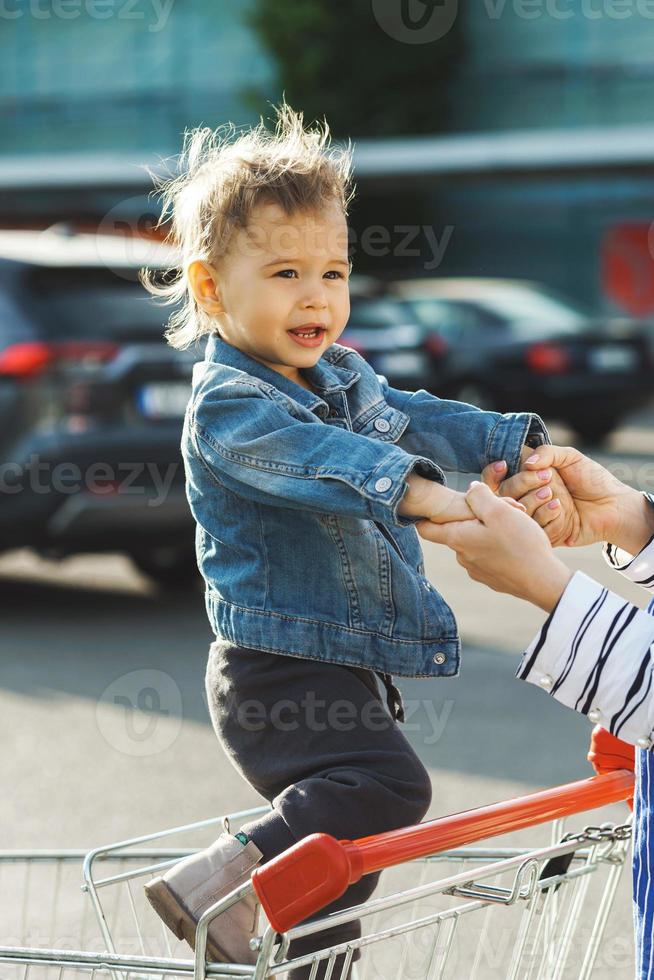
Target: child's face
279,274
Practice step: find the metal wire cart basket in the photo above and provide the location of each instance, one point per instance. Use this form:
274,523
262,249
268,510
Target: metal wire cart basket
446,909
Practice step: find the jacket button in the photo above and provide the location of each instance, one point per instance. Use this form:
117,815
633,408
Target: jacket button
644,743
383,484
594,715
546,681
382,425
440,658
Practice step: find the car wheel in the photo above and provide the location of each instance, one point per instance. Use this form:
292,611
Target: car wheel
594,432
170,567
478,395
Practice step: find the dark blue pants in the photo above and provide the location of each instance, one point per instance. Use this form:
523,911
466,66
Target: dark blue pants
315,740
643,864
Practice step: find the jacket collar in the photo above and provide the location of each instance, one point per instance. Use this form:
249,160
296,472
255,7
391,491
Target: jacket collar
325,376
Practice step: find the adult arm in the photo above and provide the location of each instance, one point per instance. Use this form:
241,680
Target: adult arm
632,552
595,651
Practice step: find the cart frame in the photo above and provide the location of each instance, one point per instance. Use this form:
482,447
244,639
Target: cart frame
326,867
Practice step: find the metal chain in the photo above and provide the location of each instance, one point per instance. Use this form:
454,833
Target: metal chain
606,831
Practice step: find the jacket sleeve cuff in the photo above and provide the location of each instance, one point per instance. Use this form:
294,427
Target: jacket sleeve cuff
512,432
638,568
593,654
386,486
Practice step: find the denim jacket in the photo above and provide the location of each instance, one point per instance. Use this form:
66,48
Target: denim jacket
296,494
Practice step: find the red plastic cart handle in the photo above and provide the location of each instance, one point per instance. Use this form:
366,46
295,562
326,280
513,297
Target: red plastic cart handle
318,869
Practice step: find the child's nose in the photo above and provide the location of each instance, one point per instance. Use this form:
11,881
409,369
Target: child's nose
316,296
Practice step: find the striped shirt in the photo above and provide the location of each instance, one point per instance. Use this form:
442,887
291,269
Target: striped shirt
595,651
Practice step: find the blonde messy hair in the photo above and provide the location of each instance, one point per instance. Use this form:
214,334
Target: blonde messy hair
221,180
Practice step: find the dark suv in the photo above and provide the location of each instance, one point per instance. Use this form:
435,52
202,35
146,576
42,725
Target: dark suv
91,402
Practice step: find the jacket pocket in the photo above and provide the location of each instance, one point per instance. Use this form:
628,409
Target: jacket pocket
381,422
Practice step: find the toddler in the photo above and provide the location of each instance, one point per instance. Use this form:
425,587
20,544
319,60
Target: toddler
306,473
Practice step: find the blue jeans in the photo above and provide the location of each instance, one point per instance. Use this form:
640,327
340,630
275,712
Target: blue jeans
643,866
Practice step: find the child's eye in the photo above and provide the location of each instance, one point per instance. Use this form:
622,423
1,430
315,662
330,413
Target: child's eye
331,272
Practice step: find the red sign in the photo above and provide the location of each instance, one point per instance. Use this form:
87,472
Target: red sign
627,258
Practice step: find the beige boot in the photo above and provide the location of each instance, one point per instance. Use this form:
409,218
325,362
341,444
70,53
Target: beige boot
188,888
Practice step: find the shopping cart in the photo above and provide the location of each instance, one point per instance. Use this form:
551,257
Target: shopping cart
445,909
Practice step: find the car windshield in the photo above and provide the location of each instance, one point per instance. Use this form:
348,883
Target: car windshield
371,313
524,305
526,311
96,303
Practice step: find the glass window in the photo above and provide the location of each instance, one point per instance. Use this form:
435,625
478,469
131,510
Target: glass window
379,313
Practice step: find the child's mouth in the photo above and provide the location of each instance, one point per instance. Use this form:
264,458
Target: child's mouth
308,338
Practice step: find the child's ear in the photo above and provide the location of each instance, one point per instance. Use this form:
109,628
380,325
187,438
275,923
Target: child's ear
203,282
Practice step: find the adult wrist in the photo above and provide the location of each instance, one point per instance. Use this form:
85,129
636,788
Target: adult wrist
552,583
635,526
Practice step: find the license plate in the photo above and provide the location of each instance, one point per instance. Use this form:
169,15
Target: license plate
163,399
402,362
613,357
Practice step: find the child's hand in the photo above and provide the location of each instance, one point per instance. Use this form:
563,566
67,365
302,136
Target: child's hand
450,505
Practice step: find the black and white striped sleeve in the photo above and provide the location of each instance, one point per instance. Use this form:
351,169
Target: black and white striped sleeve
595,654
639,569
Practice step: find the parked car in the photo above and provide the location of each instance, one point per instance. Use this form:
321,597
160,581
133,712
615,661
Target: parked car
91,404
515,345
387,332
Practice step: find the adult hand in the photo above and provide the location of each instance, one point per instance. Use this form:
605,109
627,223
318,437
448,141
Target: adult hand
606,508
503,548
608,753
557,512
